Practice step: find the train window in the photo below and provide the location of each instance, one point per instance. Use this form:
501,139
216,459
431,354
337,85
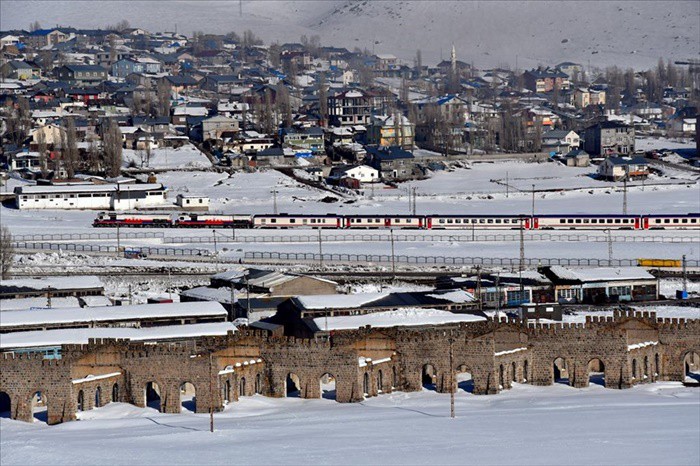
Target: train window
610,220
263,221
578,220
490,220
594,220
498,220
457,220
693,220
304,221
273,220
481,220
441,221
617,220
658,220
449,220
292,220
507,220
667,220
562,220
685,220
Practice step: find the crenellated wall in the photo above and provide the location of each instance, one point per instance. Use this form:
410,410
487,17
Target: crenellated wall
628,348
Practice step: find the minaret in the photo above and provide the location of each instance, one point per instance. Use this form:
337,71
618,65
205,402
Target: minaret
453,59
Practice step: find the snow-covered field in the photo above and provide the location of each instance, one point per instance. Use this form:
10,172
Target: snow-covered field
656,424
187,156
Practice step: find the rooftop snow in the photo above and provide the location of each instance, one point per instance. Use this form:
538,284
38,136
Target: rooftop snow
601,274
56,283
326,301
401,317
80,336
109,313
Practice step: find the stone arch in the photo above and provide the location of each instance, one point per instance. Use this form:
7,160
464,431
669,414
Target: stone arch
526,368
429,377
657,364
328,384
258,384
5,405
98,397
380,381
514,370
81,401
691,367
152,396
464,378
394,377
634,369
188,397
501,376
645,368
115,393
241,386
39,404
560,371
596,372
292,386
365,384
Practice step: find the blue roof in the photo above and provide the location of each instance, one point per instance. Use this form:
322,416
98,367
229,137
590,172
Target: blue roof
389,153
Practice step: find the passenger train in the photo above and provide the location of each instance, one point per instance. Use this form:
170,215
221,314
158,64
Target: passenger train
416,222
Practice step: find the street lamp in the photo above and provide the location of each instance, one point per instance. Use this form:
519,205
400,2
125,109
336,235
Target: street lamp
274,200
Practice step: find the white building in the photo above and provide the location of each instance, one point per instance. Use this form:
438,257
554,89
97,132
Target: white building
189,202
362,173
92,196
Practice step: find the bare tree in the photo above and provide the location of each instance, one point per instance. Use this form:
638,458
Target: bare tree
6,253
322,99
69,147
163,95
283,104
112,146
35,26
42,149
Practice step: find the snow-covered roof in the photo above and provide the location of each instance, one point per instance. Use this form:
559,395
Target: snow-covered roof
79,336
96,188
37,302
601,273
110,313
399,317
454,296
327,301
55,283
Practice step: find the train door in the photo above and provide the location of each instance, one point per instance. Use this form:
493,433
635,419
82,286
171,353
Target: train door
420,222
338,222
387,222
645,221
429,223
636,223
527,224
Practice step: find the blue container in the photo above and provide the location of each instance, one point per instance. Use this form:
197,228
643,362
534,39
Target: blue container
681,294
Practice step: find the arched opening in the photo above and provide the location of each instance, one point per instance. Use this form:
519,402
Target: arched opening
514,372
98,397
152,395
428,376
293,386
646,367
380,381
226,391
258,384
81,401
634,368
365,384
561,372
40,407
525,371
465,381
394,377
328,384
5,405
691,365
241,387
596,372
188,397
501,376
657,365
115,393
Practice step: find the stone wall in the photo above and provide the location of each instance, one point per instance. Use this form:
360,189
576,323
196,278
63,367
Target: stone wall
629,348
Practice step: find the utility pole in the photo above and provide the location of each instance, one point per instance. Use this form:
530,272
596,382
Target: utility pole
624,196
478,288
685,277
118,240
610,248
233,299
522,253
507,187
498,293
452,379
393,255
213,232
533,200
211,395
414,200
274,201
48,296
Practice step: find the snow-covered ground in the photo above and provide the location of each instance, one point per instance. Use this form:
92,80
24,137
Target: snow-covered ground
187,156
656,424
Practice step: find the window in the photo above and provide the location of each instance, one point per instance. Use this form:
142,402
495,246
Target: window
273,220
685,220
562,220
292,220
449,220
489,220
481,220
667,220
594,220
578,220
498,220
657,220
617,220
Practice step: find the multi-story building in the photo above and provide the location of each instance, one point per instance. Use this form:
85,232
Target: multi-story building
354,107
545,79
82,74
383,131
609,138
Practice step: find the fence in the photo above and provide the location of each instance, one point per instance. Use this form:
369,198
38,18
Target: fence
444,260
404,237
148,250
88,236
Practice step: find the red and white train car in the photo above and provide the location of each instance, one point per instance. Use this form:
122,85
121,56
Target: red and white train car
671,222
297,221
465,222
586,222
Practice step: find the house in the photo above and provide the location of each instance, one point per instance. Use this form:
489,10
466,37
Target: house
124,67
577,158
214,127
560,140
191,202
46,37
310,139
270,157
354,107
273,283
622,168
609,138
52,134
584,96
54,286
221,84
601,285
572,70
543,80
361,173
504,289
181,114
16,69
393,163
82,74
382,131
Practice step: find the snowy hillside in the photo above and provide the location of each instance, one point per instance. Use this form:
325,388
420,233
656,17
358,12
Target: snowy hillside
488,33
